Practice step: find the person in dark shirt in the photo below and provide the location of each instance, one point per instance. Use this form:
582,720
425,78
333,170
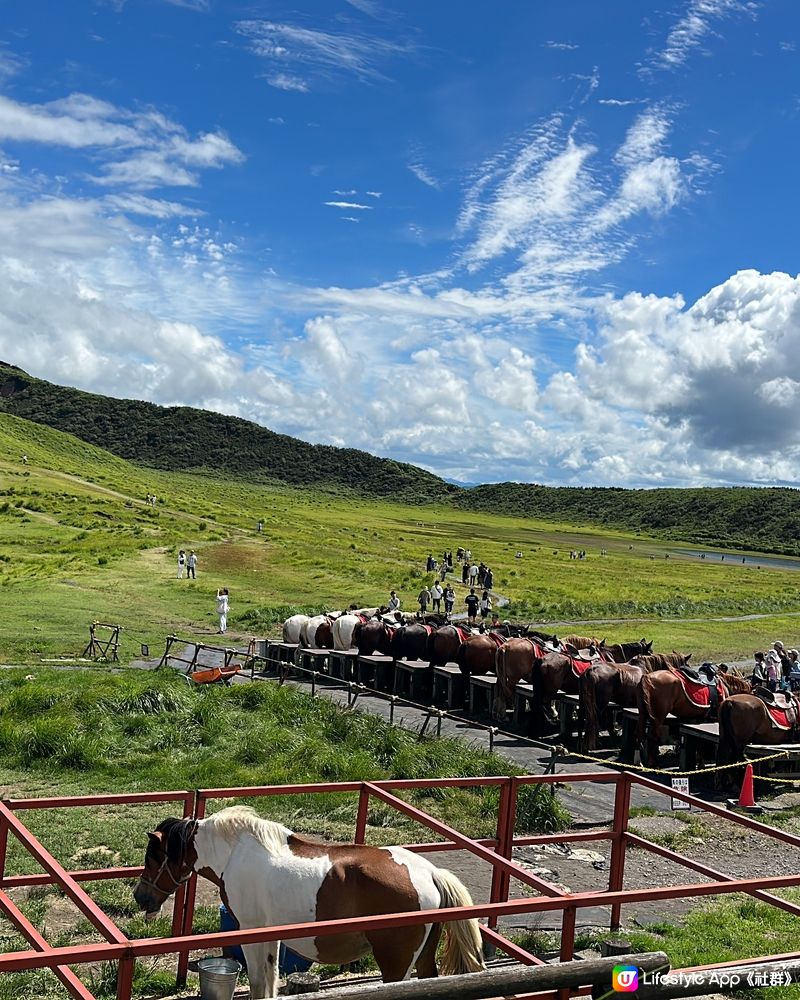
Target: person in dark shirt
472,601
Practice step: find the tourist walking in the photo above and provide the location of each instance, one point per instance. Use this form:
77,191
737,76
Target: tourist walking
473,575
191,566
465,573
486,605
181,563
488,580
443,572
449,599
394,602
436,597
222,610
472,602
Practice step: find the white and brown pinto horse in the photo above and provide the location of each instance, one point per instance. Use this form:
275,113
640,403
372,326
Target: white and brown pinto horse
270,876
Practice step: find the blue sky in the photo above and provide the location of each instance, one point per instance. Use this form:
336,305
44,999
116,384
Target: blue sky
542,241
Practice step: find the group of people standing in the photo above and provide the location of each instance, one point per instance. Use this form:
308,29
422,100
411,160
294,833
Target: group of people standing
434,596
778,668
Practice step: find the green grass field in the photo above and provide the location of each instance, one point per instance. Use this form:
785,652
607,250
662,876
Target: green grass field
78,543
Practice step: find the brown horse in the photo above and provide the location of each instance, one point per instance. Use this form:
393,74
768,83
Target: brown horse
514,662
661,661
477,654
743,719
581,641
270,876
600,684
624,652
661,693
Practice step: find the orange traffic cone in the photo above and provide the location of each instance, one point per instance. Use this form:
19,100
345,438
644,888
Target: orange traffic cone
747,798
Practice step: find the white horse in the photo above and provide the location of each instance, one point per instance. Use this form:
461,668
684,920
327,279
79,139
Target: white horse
308,631
270,876
343,631
292,627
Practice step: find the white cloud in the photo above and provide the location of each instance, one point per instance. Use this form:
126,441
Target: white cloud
322,52
694,26
370,7
138,204
565,46
348,204
374,194
421,172
284,81
10,63
143,149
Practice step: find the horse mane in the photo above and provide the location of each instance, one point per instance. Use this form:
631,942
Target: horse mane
235,820
177,834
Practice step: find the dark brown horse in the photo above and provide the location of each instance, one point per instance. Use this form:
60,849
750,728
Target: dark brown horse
661,693
410,642
743,719
600,684
444,644
373,637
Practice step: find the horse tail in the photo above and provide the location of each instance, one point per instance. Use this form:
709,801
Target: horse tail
502,691
728,749
588,702
463,948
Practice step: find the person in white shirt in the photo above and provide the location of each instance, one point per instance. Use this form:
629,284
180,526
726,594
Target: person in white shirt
181,563
436,597
394,602
191,565
222,609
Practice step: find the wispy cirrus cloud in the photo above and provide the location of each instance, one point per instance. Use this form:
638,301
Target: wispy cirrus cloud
320,52
693,27
563,46
353,205
421,172
285,81
552,204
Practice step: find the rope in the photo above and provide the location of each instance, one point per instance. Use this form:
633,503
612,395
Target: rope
783,754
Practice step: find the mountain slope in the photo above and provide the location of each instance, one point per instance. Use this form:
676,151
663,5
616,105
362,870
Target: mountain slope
190,439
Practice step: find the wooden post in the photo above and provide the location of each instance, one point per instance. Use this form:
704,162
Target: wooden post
497,983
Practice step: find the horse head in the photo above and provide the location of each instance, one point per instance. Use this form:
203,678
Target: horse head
168,863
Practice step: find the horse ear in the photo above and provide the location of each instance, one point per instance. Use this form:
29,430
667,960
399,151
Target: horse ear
156,838
688,657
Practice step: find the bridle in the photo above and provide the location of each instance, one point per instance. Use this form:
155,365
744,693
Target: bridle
165,869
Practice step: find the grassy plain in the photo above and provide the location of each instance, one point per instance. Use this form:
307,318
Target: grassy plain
70,732
78,543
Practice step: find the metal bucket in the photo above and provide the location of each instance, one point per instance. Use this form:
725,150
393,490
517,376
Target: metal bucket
218,978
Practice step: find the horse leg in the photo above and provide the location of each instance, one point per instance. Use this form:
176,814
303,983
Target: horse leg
262,969
426,962
397,950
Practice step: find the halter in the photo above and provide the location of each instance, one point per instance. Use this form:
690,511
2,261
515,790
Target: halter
176,883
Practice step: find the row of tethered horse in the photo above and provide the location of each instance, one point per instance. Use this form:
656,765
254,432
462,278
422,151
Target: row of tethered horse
604,676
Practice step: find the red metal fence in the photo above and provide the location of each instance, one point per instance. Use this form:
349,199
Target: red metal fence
496,851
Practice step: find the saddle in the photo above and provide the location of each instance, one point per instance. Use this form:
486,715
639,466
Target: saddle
782,707
702,686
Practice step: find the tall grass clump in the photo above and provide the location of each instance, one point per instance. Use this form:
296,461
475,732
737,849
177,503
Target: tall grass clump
139,731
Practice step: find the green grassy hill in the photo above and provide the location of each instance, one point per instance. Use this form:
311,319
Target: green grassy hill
745,518
182,438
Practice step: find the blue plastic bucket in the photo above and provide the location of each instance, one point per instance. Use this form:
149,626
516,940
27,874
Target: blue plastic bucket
288,960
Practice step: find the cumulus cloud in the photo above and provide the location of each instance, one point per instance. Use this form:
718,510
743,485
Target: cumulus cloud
143,149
